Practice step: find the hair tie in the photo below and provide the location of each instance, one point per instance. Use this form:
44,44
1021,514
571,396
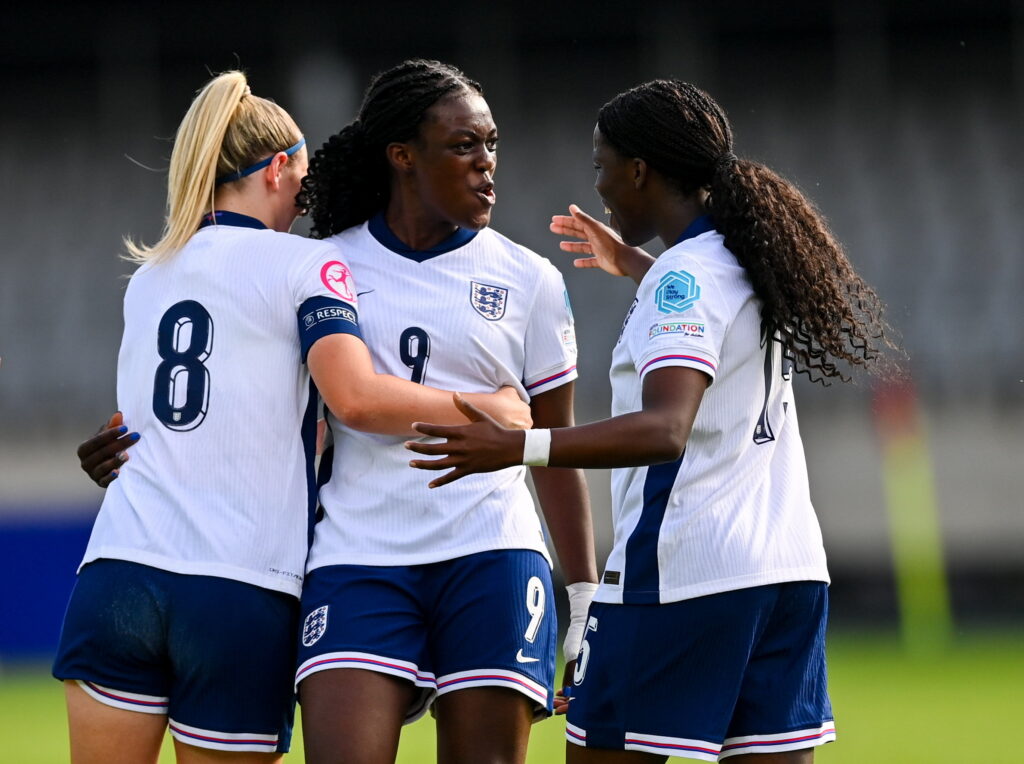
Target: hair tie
724,162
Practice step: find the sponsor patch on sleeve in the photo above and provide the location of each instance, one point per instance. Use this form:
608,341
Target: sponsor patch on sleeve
685,328
569,340
677,292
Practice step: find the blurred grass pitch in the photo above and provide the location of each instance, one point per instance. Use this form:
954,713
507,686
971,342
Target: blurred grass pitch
909,487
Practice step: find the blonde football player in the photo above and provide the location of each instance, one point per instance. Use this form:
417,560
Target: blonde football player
185,609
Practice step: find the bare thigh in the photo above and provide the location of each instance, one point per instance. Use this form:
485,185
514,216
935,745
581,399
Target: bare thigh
577,754
102,734
483,725
352,716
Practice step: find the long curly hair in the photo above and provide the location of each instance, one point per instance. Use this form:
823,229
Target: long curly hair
828,319
349,180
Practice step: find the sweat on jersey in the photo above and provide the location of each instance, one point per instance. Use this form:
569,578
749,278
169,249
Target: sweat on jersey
472,314
211,374
735,510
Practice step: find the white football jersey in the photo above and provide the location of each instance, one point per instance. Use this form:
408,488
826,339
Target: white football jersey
211,374
735,510
475,313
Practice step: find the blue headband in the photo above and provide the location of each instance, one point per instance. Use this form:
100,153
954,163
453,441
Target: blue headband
259,165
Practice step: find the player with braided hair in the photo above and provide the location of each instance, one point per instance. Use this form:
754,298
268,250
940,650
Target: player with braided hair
706,637
416,598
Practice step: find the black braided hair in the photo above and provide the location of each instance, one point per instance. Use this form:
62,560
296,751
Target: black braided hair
348,180
812,299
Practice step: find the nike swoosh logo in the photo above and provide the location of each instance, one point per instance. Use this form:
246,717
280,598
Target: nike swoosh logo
523,659
360,294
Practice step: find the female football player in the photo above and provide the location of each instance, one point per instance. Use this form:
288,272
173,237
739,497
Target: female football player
416,598
184,613
706,637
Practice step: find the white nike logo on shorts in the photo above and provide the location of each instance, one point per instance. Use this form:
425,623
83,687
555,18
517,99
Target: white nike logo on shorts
523,659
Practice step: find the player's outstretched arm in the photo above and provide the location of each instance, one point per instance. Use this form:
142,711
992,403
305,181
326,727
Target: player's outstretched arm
102,455
604,246
342,369
653,435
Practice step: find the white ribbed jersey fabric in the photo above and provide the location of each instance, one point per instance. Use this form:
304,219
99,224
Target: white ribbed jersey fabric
475,313
210,373
735,510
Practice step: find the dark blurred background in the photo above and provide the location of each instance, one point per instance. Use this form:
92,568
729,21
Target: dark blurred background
902,120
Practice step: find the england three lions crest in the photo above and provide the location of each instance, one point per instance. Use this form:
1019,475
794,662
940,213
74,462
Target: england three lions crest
314,626
489,301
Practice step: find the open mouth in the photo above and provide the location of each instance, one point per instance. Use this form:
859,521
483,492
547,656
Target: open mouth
486,193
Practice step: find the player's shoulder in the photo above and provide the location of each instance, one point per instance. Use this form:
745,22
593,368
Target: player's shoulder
705,255
516,253
351,242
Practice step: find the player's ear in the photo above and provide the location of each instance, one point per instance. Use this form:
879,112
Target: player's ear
401,156
272,175
639,173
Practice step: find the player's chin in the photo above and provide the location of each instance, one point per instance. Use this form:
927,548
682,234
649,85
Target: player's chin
477,218
479,222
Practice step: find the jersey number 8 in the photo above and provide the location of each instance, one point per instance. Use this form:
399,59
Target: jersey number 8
181,387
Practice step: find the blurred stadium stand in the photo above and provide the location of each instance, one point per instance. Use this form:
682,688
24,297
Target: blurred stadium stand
902,120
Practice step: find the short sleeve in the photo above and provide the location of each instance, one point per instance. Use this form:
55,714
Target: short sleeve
680,319
324,293
550,357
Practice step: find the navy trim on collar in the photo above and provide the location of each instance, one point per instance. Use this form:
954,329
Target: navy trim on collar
226,217
700,225
378,227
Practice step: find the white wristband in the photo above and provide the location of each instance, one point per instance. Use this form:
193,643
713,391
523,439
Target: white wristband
580,596
537,448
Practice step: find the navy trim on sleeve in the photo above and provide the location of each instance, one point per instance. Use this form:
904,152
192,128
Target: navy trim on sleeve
320,316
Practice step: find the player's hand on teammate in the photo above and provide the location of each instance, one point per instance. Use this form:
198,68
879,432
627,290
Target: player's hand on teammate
481,446
102,455
504,406
604,246
563,694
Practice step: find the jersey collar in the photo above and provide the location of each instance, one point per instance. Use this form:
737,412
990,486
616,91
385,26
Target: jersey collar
226,217
382,233
700,225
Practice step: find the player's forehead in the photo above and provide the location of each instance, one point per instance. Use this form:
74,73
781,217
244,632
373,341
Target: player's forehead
462,112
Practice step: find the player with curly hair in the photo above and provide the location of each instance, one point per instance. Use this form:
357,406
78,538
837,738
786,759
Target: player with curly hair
416,598
706,637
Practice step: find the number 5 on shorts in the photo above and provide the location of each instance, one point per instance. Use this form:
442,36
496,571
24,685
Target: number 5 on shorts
581,663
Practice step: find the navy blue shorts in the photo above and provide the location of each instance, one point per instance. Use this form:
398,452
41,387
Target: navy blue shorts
483,620
212,654
706,678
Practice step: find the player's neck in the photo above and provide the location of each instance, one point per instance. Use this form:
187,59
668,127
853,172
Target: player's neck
411,224
260,207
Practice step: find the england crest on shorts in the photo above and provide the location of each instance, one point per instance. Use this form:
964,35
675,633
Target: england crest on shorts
489,301
314,626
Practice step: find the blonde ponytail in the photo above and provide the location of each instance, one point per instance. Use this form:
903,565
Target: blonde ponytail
225,129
